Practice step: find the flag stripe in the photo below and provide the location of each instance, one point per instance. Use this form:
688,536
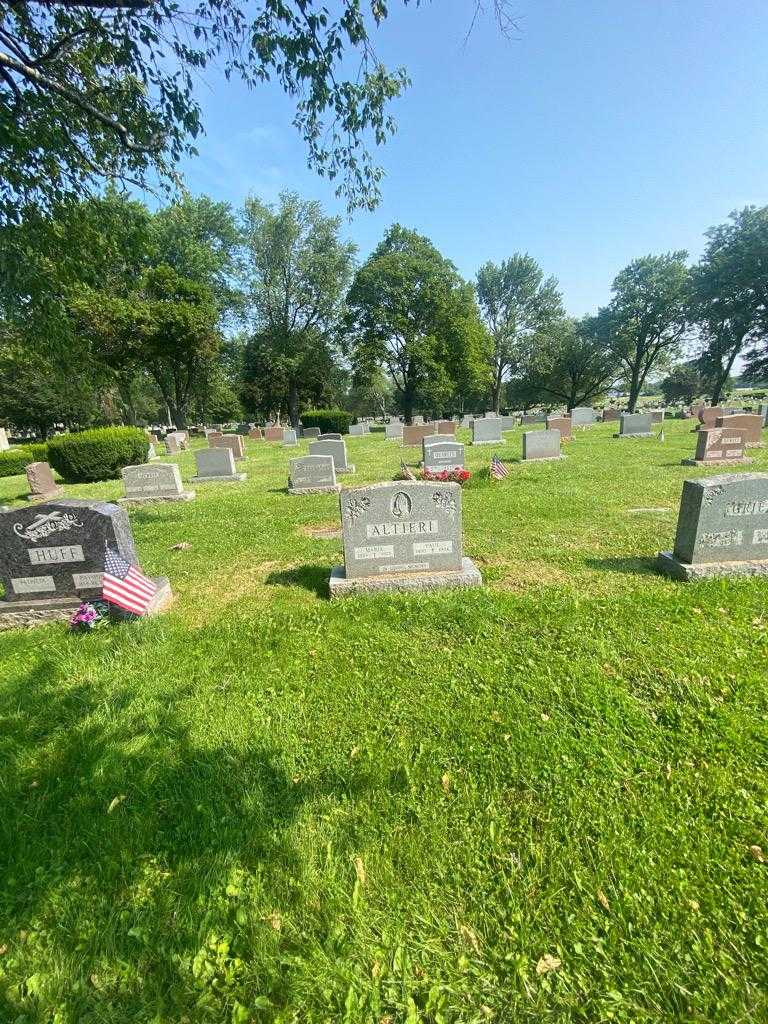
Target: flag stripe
125,586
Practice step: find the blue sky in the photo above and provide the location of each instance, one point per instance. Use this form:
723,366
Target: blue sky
605,130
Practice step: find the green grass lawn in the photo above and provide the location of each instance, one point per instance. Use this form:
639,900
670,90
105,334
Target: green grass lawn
263,806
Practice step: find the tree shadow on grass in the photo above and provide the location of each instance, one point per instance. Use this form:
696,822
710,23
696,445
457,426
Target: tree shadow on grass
310,577
639,566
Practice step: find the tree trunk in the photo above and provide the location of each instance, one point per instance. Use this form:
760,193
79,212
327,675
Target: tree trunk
496,392
408,407
293,406
634,389
723,377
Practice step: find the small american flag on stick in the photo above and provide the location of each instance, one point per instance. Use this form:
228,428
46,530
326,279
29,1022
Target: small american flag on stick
406,471
125,585
498,469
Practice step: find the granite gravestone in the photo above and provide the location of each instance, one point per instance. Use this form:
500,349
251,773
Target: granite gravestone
750,427
273,434
541,445
52,557
527,419
611,415
418,421
172,445
561,423
232,441
4,442
657,415
402,536
332,436
582,416
413,435
358,429
445,427
393,431
255,434
312,474
216,466
718,447
289,438
486,431
441,455
508,423
722,528
337,450
42,486
312,433
709,415
635,424
162,482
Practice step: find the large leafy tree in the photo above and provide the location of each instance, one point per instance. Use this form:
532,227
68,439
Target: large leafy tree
645,323
684,383
297,271
517,302
730,296
412,315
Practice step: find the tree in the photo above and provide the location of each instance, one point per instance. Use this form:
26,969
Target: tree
411,314
569,364
646,320
684,383
297,274
517,303
730,294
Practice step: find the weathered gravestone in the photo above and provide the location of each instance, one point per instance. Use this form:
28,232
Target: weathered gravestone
541,445
446,453
611,415
582,416
527,419
289,438
508,423
162,482
657,415
393,430
718,447
413,435
4,443
181,437
561,423
635,424
52,557
255,434
216,466
722,528
311,432
232,441
42,486
336,449
402,536
312,474
213,435
750,427
273,434
486,431
172,445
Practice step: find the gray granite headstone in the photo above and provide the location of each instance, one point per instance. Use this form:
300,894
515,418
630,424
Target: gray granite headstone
172,445
393,430
289,438
312,474
311,432
161,482
541,445
722,528
402,535
486,430
657,415
42,486
336,449
331,436
583,416
508,423
358,429
533,417
635,424
442,454
216,465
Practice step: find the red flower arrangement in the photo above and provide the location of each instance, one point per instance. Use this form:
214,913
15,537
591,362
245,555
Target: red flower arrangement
446,476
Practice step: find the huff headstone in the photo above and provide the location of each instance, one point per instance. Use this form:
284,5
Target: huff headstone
635,424
541,445
42,486
337,450
718,447
312,474
402,536
751,428
486,430
722,528
161,482
441,455
561,423
216,466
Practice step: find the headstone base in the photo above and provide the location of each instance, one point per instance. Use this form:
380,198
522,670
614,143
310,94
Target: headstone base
631,437
496,442
328,488
672,566
546,458
715,462
229,479
49,496
467,576
157,498
41,611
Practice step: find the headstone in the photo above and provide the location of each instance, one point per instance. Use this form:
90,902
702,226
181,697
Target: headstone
154,439
42,486
709,415
357,429
443,454
533,417
611,415
508,423
417,420
466,421
244,429
657,415
541,445
635,424
582,416
289,438
445,427
336,449
762,411
52,557
311,432
181,438
172,445
751,428
490,415
232,441
329,437
486,431
416,433
312,474
4,443
161,482
216,465
722,528
394,430
255,434
435,439
561,423
213,435
273,434
402,536
718,447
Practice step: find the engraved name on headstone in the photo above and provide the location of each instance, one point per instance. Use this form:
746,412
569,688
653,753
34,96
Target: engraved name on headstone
337,450
443,454
718,446
312,474
161,482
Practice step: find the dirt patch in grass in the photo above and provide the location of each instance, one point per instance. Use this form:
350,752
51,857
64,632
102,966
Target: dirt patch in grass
524,575
322,531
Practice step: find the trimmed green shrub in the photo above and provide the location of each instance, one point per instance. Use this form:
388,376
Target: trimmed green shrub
15,461
330,421
97,454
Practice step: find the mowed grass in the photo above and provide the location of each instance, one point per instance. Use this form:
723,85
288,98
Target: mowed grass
263,806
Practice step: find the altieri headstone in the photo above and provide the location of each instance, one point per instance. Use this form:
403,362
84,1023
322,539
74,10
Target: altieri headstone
487,431
337,450
541,445
561,423
216,466
402,536
313,474
42,486
717,447
750,426
161,482
722,528
635,424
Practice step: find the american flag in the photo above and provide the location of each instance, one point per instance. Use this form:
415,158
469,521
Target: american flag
125,585
406,472
498,469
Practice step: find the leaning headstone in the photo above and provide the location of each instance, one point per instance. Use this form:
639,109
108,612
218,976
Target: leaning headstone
751,428
145,484
717,447
415,434
541,446
402,536
722,528
232,441
394,430
42,486
52,557
611,415
289,438
635,424
336,449
443,454
273,434
333,436
313,474
4,443
486,430
216,466
561,423
311,432
582,416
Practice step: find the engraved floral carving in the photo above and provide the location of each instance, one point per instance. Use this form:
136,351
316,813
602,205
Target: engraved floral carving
356,507
712,493
445,503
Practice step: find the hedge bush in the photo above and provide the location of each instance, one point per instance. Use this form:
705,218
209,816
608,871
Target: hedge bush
330,421
97,454
14,461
